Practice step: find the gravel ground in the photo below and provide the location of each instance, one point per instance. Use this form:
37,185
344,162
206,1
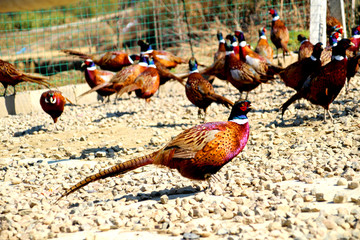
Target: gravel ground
294,180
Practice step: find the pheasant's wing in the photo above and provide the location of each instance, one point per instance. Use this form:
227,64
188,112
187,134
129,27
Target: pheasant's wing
190,142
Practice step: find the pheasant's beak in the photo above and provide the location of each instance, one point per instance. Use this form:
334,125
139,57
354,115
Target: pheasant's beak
251,107
352,44
82,65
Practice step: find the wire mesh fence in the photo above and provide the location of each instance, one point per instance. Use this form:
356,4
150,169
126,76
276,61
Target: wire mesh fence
32,40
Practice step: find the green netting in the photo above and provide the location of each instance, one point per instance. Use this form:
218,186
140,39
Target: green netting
32,40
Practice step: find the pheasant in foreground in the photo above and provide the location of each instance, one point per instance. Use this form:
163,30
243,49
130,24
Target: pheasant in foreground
279,34
306,47
146,84
200,92
322,88
53,102
197,153
112,61
9,75
263,48
122,78
95,77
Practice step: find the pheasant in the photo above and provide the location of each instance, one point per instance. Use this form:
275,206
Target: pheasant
9,75
122,78
146,84
95,77
240,74
323,87
218,67
258,62
112,61
263,48
295,74
331,24
164,72
200,92
279,34
53,102
197,153
167,59
306,47
355,39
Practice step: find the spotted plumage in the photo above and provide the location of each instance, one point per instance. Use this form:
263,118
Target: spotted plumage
197,153
200,91
9,75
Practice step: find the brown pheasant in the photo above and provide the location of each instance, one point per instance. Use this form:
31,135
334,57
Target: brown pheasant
323,87
279,34
197,153
112,61
306,47
200,92
9,75
122,78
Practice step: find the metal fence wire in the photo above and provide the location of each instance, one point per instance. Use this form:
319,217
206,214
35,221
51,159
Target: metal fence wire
32,40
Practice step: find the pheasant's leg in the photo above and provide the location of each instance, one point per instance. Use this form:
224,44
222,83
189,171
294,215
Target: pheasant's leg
199,113
5,91
277,54
332,120
204,114
247,94
14,90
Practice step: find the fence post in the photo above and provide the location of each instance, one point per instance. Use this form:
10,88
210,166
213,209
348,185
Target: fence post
336,9
318,21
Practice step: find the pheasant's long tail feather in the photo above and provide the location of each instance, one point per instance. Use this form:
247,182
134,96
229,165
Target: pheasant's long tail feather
111,172
96,88
295,97
36,79
76,53
222,100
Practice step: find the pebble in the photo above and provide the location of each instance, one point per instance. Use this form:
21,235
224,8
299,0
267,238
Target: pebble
276,188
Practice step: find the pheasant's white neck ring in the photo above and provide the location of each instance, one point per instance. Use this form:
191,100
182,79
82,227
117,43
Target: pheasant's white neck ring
130,60
304,41
338,58
229,52
143,64
194,71
334,44
313,58
276,18
152,65
234,44
147,52
222,41
263,37
356,36
93,68
240,120
242,44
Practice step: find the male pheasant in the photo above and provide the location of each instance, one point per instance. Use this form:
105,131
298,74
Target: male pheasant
279,34
240,74
258,62
263,48
200,92
95,77
146,84
197,153
9,75
122,78
306,47
323,87
53,102
112,61
296,73
167,59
